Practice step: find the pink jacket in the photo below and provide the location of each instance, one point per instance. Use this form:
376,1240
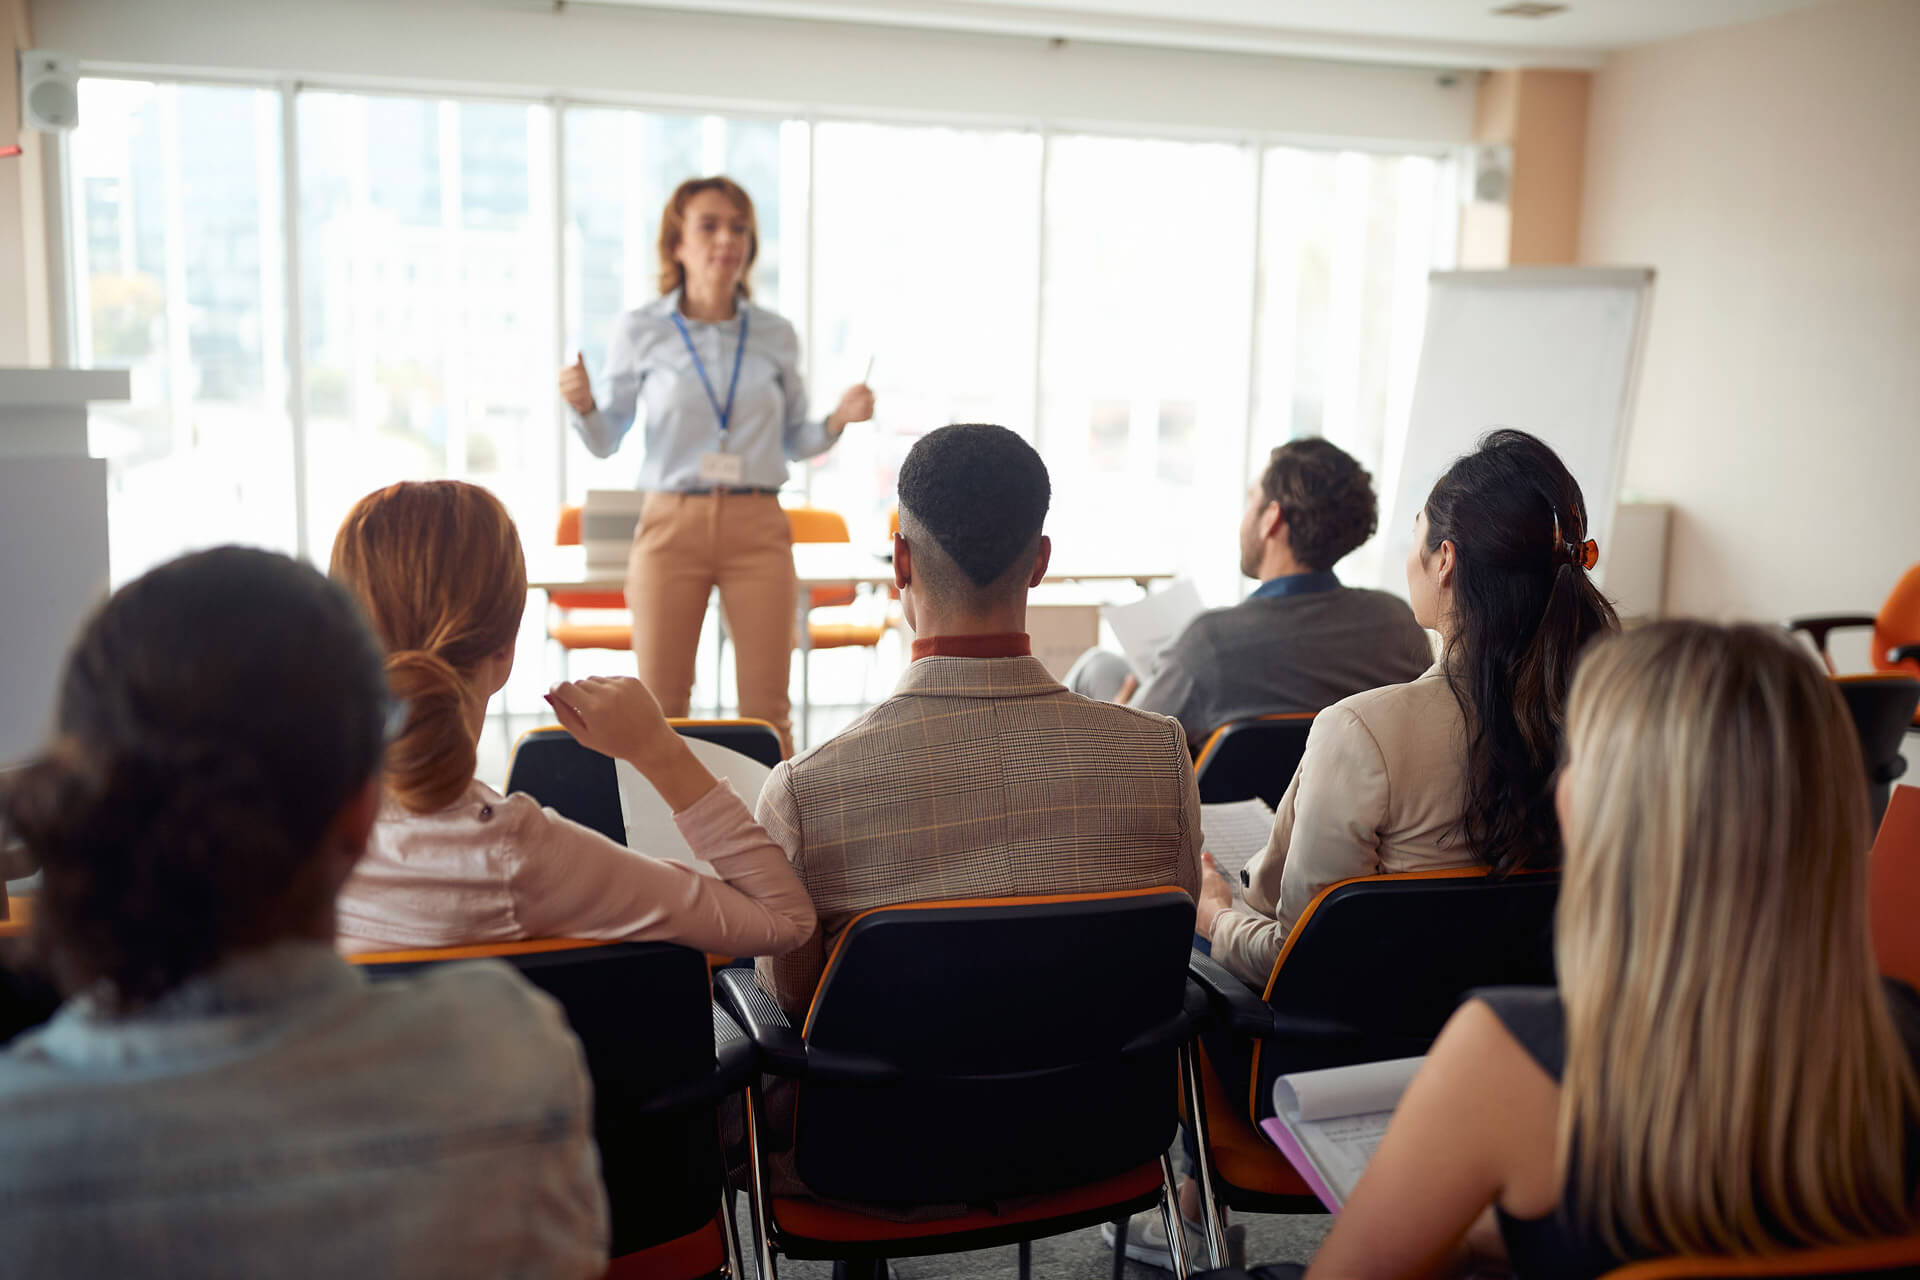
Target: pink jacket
498,869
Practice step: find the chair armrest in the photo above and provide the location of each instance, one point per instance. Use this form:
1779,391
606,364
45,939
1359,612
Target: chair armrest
780,1049
778,1046
1820,624
1231,1003
1904,653
733,1064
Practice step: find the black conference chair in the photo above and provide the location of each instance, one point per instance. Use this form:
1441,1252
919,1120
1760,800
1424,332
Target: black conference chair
1372,970
1882,707
662,1057
579,783
1244,759
754,739
1017,1052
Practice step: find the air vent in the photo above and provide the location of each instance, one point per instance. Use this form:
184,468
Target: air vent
1529,9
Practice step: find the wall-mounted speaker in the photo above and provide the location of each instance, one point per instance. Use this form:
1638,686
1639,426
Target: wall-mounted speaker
49,91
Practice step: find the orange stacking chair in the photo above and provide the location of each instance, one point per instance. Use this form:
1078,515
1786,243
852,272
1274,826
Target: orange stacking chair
1372,970
570,635
1896,628
1252,758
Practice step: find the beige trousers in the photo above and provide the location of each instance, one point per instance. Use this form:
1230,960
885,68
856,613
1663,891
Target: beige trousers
685,545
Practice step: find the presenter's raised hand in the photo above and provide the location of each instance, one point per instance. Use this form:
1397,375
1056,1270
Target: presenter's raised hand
575,388
856,405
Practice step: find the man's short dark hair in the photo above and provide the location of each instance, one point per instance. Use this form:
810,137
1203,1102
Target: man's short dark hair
980,493
1328,499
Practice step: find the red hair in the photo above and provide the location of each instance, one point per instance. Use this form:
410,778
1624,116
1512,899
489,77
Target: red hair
437,567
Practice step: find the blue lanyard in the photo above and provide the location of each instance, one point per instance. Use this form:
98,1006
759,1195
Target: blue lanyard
724,414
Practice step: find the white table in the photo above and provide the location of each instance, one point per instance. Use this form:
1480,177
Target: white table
815,564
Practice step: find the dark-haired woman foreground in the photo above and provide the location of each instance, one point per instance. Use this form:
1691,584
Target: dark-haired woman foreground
1453,768
222,1095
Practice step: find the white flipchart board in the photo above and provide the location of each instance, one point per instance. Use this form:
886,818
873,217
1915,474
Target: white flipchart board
1551,350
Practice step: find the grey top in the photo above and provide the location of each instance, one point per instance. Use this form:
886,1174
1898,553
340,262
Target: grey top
651,374
282,1115
1301,651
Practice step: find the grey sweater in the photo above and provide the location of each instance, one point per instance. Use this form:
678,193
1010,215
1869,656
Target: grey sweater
1297,652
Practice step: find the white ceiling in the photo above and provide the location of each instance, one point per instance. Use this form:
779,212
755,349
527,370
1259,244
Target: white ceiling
1461,33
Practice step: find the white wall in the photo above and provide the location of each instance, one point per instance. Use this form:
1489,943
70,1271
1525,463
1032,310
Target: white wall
1771,173
746,63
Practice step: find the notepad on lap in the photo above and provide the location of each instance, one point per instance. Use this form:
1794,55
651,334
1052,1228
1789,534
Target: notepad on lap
1233,831
1329,1123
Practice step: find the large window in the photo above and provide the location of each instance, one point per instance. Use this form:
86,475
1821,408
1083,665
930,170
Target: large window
426,272
1154,314
926,249
179,274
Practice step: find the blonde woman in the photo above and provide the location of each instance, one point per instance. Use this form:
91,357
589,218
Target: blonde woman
437,567
1721,1071
725,410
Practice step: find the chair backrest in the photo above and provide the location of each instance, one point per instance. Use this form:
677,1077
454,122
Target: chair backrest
754,739
1391,957
1898,623
1875,1258
644,1015
1882,708
574,781
566,533
1248,758
1893,888
817,524
1007,1047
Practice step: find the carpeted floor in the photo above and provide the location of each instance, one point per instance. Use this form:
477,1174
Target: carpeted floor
1078,1255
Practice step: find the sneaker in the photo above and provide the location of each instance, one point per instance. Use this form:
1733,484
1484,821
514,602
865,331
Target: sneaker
1147,1242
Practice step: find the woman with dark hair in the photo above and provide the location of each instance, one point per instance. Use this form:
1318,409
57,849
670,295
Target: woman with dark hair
221,1094
1453,768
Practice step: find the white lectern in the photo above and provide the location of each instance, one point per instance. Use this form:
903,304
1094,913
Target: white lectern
53,537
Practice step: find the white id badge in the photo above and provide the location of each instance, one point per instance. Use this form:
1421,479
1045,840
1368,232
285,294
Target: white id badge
722,468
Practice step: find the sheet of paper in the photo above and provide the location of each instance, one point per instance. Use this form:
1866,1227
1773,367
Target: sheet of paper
1146,628
650,828
1333,1120
1344,1091
1233,832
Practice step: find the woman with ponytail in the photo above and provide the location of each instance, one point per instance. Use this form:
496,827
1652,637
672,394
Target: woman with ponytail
1720,1071
437,565
221,1094
1453,768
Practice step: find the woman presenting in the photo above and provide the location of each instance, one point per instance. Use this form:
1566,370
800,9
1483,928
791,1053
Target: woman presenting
726,410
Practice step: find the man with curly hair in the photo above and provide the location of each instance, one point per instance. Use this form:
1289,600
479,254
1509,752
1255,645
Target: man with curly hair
1300,641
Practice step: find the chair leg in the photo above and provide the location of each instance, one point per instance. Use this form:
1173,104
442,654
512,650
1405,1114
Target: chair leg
1211,1218
1170,1214
758,1194
1026,1260
731,1233
1120,1249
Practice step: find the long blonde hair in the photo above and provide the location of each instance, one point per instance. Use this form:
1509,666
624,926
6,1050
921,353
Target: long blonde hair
438,569
1734,1081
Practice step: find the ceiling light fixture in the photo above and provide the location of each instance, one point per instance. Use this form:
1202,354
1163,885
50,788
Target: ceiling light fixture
1529,9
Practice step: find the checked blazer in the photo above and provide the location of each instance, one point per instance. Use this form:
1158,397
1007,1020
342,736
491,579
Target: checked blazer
979,777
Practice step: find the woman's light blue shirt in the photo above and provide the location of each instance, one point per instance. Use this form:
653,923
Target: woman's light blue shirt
648,363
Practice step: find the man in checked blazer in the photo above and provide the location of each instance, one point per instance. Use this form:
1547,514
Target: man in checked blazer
982,776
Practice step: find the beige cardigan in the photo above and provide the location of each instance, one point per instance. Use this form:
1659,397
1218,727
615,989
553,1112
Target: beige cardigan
1380,789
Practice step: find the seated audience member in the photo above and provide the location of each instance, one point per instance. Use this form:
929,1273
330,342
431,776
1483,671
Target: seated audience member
222,1094
1454,767
981,776
437,566
1300,641
1720,1071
